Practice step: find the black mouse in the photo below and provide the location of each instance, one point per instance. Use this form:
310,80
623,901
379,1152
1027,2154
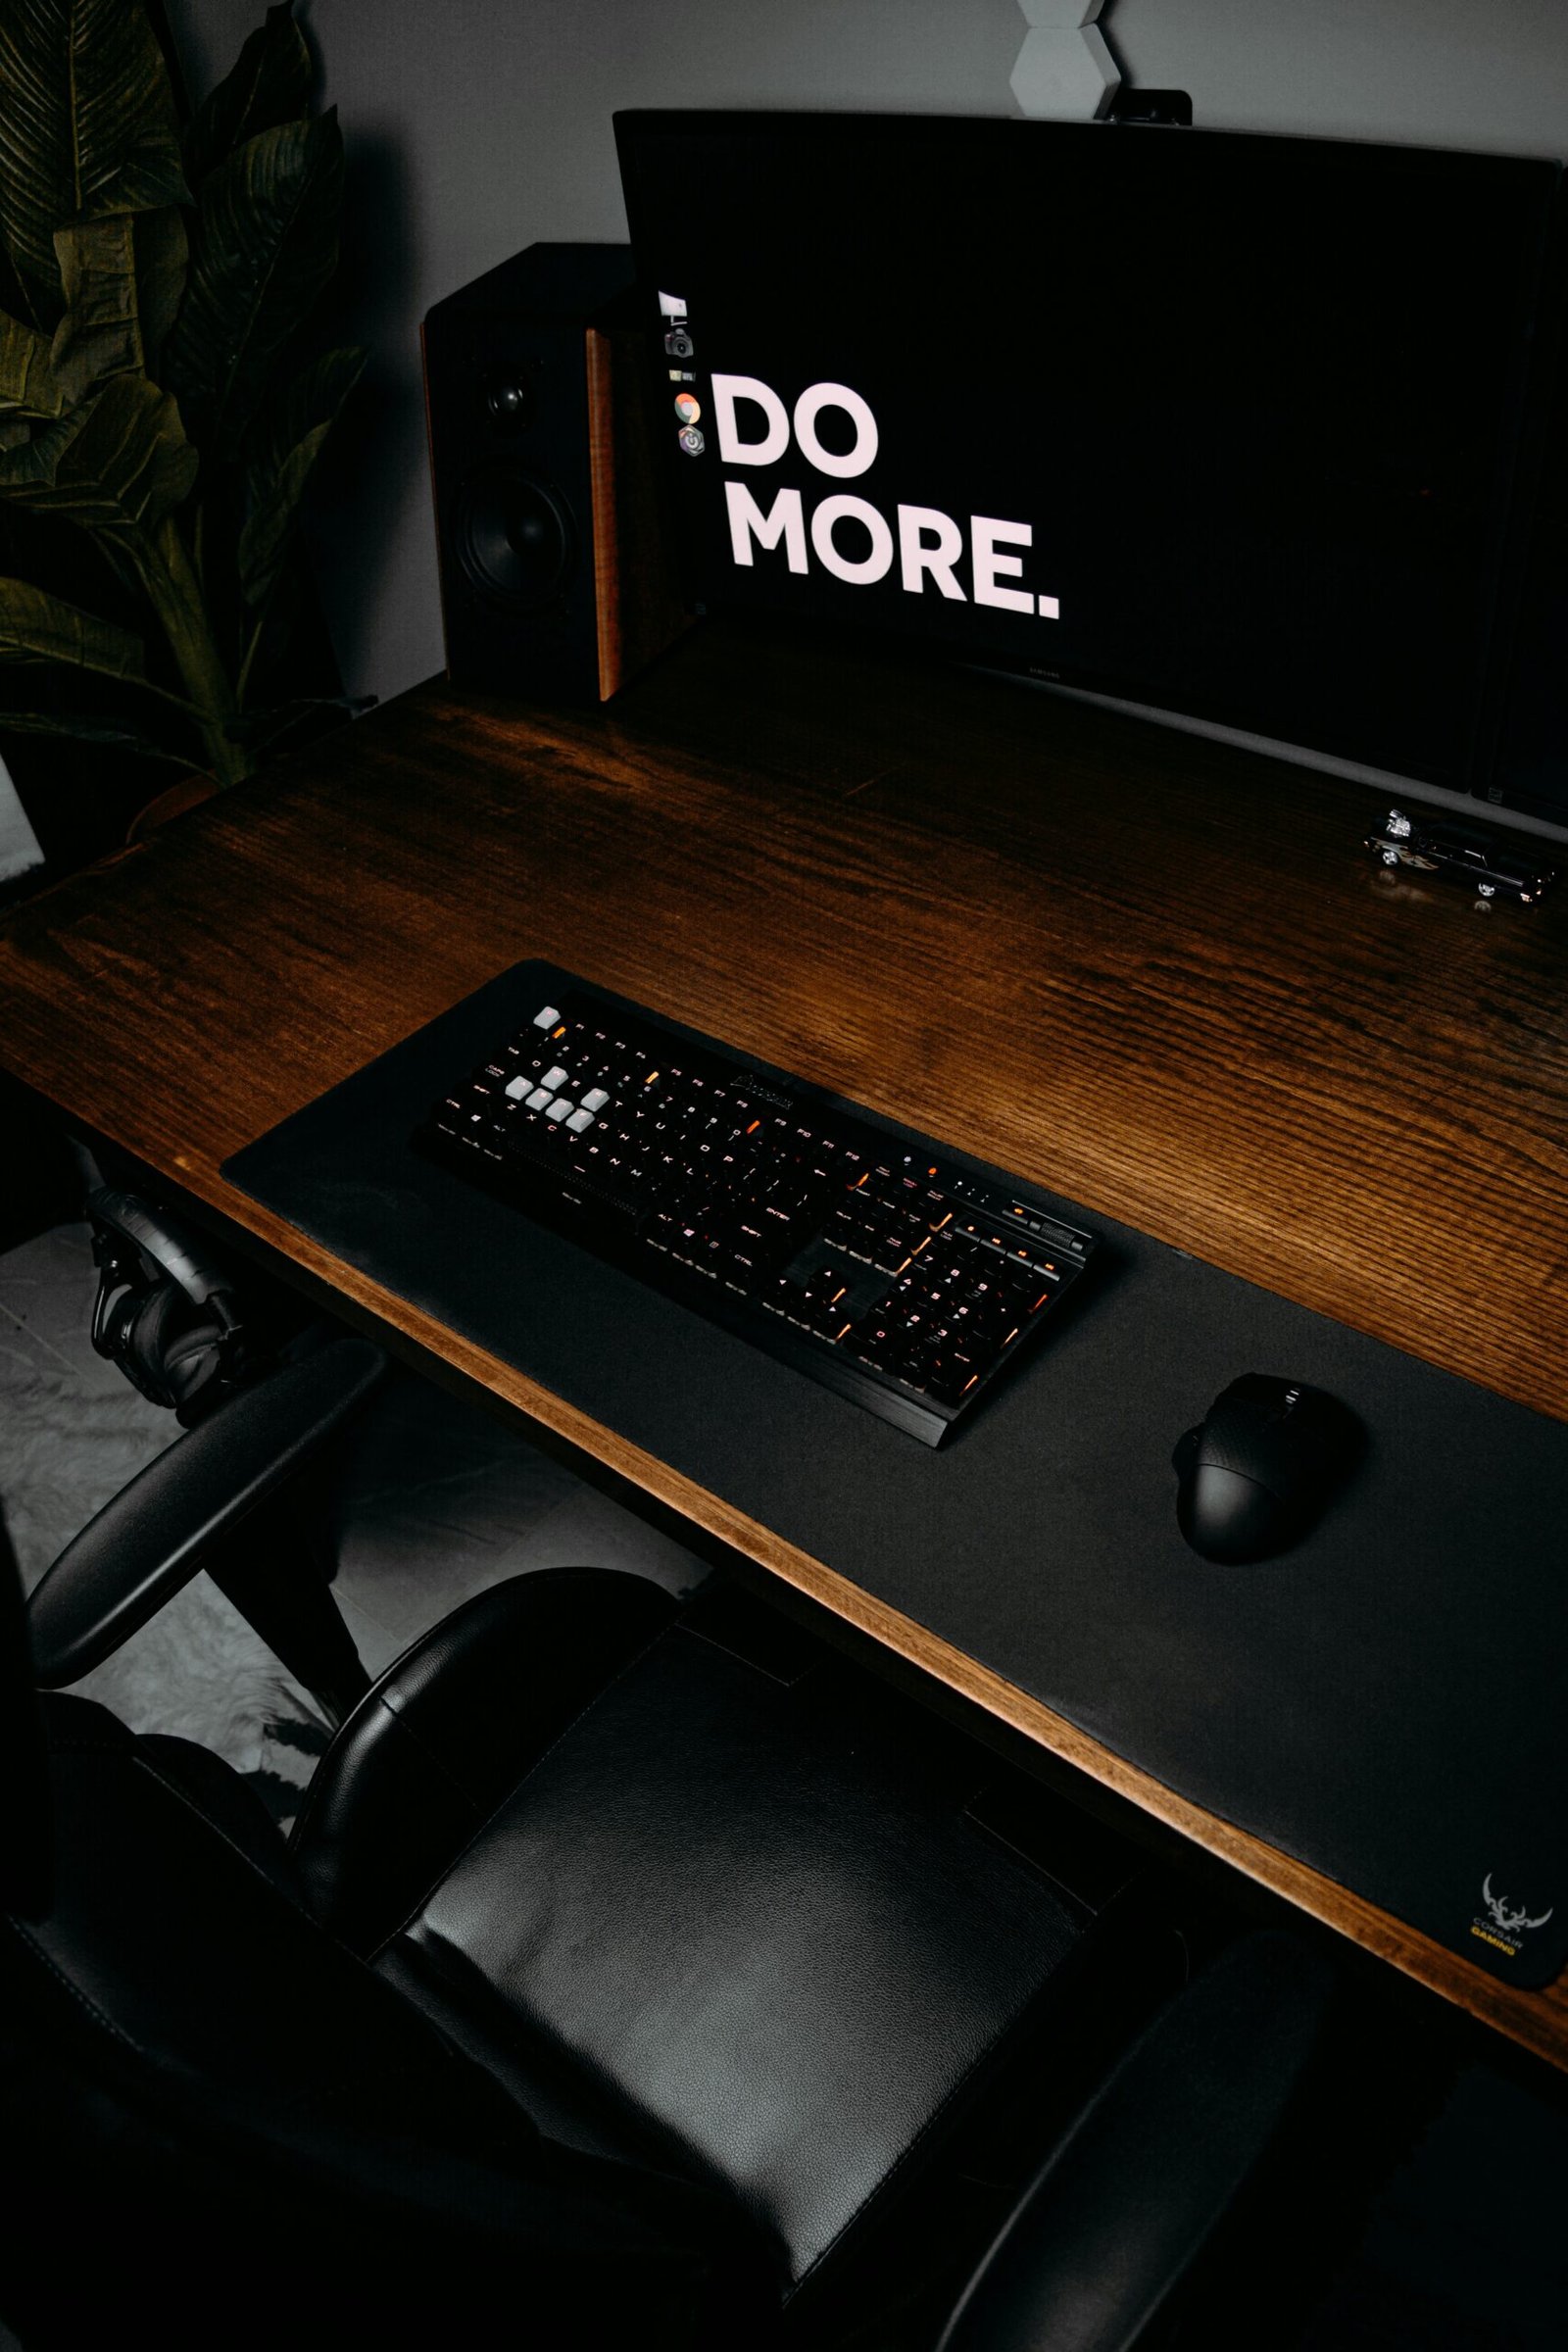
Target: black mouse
1257,1472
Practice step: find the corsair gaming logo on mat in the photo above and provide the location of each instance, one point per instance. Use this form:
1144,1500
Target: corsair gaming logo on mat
1505,1923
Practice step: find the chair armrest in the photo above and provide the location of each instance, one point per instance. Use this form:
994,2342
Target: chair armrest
150,1538
1121,2211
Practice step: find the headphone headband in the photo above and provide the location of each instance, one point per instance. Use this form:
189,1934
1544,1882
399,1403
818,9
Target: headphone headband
172,1247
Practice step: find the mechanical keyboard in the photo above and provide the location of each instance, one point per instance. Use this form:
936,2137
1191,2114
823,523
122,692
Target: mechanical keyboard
855,1252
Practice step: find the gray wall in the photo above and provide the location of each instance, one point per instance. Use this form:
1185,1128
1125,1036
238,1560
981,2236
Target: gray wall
481,126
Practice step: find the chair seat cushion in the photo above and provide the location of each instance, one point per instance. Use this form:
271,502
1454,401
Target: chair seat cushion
748,1909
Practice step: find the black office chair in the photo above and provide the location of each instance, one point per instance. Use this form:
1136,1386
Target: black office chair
626,1975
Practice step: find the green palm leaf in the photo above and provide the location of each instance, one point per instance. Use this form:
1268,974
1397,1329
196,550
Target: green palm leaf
142,331
37,627
86,127
163,255
269,84
98,335
123,279
27,381
284,448
118,465
265,247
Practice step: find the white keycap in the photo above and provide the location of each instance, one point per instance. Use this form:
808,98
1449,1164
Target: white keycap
546,1019
594,1099
558,1109
539,1097
554,1078
518,1088
580,1119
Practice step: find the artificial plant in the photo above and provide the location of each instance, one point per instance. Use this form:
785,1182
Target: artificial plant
157,424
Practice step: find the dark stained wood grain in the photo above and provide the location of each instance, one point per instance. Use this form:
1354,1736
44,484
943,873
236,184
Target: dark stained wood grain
1154,973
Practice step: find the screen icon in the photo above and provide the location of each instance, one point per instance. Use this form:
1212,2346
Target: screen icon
677,342
688,408
692,442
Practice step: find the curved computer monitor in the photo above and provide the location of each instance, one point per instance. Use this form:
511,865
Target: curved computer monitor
1226,424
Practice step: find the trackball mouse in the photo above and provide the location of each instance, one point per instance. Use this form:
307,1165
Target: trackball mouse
1258,1470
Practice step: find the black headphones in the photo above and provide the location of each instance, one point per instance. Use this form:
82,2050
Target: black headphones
163,1314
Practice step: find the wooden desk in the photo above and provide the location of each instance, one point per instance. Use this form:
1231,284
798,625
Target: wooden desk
1153,974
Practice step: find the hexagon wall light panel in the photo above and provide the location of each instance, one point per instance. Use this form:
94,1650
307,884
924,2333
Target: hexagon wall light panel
1065,68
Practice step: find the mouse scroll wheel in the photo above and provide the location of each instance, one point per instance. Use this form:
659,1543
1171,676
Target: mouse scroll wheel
1184,1454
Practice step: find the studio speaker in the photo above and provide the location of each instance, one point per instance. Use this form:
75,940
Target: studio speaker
558,568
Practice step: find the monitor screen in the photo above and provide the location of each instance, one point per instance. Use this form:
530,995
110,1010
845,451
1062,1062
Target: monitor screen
1530,769
1222,423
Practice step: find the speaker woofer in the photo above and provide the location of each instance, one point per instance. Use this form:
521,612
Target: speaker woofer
514,537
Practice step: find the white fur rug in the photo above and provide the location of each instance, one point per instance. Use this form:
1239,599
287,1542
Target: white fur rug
71,1433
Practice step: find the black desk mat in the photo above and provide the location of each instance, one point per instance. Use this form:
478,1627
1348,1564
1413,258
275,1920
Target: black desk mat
1386,1702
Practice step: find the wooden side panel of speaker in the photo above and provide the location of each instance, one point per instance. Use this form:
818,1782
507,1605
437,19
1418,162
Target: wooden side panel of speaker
435,499
636,582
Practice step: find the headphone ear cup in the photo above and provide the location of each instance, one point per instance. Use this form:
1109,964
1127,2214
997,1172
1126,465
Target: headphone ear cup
192,1359
153,1339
